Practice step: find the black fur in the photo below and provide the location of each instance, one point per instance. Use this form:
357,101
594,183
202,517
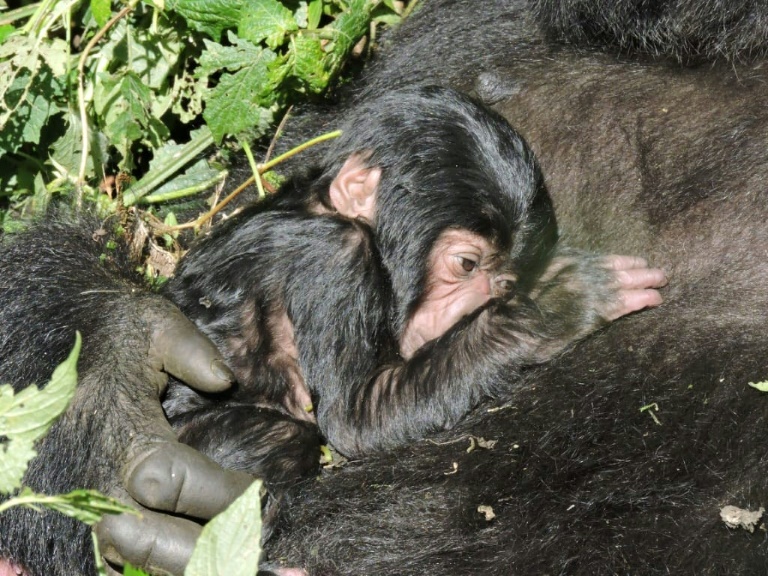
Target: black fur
348,290
639,159
645,159
690,31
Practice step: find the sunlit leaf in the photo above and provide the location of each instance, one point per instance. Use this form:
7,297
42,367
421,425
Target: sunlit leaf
231,543
266,21
26,416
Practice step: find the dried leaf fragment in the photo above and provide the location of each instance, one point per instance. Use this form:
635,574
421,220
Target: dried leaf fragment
735,517
486,511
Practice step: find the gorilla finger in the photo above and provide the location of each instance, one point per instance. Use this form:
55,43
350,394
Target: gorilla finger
154,542
177,478
621,262
641,278
634,300
188,354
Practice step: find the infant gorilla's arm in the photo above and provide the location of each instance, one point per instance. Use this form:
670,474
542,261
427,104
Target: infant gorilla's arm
476,350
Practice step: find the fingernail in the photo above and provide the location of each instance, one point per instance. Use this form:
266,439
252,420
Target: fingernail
222,371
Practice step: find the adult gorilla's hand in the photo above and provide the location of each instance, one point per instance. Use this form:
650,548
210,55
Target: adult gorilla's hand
161,475
56,278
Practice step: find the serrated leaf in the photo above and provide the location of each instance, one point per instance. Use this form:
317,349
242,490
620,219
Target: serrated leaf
14,458
239,55
126,105
29,103
266,21
230,544
151,54
349,27
243,99
65,152
233,106
187,97
211,17
307,64
301,14
101,10
762,386
28,415
55,54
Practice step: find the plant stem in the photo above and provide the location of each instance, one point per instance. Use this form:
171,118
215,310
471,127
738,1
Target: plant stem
184,192
81,91
18,14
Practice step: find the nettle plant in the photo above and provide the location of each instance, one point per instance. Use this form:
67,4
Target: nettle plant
118,102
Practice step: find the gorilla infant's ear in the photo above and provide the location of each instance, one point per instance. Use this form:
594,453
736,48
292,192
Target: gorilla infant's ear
353,190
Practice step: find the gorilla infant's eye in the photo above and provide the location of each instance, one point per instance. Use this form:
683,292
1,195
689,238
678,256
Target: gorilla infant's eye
467,264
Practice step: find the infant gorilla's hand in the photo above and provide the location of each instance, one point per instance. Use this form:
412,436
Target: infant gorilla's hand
635,284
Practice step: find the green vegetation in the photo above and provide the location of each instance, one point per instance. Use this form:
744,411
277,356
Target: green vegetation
117,103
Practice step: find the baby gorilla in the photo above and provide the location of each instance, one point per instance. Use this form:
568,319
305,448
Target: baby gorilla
417,271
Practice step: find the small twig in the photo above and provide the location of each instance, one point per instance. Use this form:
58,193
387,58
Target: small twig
300,148
277,133
261,169
459,439
650,408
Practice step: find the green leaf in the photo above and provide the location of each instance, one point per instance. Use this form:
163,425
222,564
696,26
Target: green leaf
301,14
131,571
348,28
27,416
101,10
65,152
198,175
266,21
244,99
14,458
88,506
211,17
762,386
29,105
5,31
307,64
126,105
314,13
230,544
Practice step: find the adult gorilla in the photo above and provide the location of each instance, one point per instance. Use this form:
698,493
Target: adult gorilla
639,157
416,272
582,481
